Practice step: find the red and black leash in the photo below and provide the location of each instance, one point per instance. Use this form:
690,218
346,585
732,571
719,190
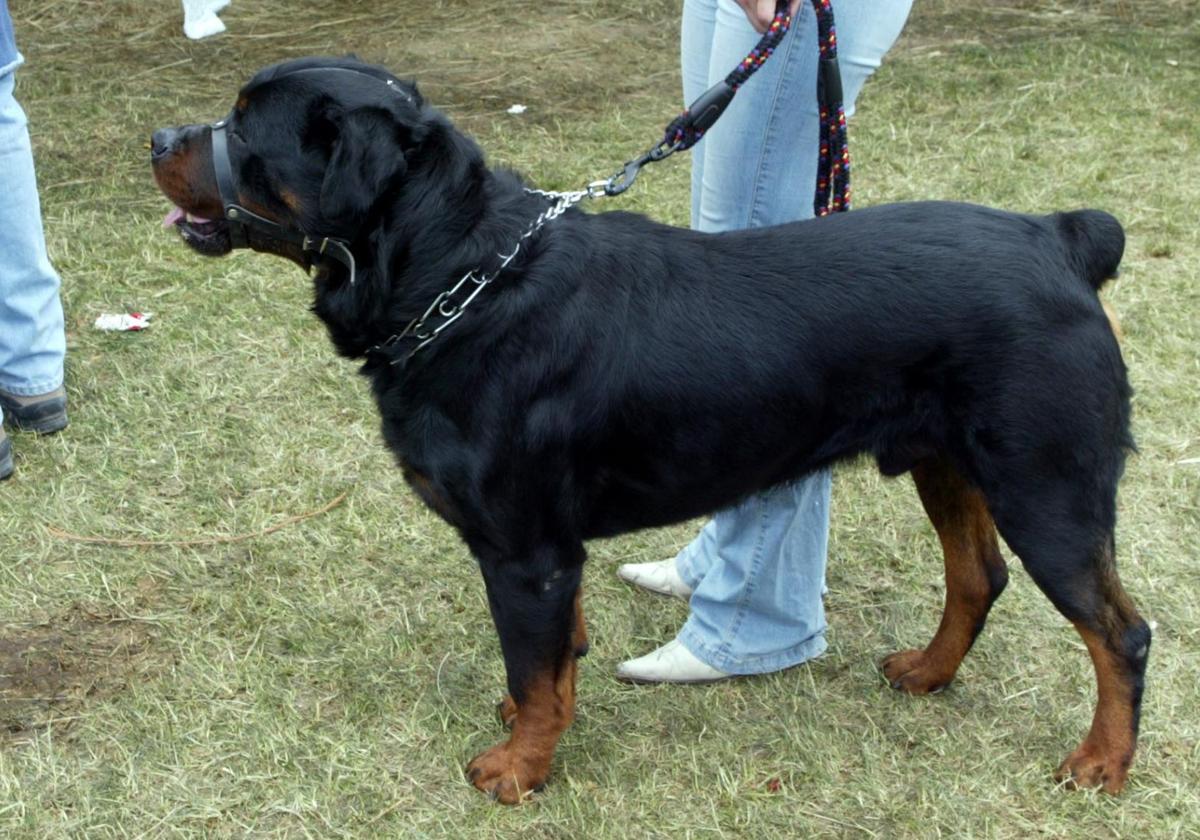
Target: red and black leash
833,166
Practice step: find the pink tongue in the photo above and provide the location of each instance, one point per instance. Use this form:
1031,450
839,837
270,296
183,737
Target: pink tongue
177,214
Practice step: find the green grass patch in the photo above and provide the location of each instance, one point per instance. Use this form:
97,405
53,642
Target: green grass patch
332,679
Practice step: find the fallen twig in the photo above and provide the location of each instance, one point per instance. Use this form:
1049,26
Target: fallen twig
130,543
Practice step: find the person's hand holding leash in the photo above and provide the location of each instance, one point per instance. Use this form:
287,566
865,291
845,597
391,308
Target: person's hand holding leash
762,12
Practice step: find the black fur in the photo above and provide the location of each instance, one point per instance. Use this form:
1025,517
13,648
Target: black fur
623,374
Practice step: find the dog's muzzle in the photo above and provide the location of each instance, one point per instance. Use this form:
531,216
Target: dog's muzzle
241,221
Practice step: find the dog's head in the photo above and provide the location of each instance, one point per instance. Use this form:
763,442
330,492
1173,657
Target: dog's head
313,145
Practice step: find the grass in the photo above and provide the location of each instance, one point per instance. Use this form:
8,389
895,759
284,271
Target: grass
331,679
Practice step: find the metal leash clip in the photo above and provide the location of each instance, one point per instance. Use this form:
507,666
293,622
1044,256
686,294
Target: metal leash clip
682,133
624,179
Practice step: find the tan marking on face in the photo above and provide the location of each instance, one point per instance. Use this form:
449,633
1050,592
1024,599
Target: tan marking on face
291,200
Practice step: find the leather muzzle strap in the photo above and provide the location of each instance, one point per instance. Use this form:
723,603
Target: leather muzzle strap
240,219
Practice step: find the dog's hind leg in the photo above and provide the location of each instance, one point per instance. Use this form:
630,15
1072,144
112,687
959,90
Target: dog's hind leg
1068,551
538,615
975,576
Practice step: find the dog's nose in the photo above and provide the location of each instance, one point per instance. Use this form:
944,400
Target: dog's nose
162,142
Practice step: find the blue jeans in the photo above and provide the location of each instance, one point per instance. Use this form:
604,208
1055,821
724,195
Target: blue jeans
32,340
757,570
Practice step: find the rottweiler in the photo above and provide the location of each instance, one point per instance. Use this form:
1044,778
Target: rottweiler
547,376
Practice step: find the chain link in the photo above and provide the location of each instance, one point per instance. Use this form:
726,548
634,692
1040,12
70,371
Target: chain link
475,281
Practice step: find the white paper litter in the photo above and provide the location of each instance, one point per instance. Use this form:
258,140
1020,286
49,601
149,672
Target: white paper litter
133,322
517,109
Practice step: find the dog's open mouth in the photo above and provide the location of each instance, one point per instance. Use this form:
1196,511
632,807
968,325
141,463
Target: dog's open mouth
207,236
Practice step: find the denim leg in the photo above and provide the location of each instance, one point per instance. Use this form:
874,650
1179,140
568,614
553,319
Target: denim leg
32,340
757,570
752,169
758,608
697,32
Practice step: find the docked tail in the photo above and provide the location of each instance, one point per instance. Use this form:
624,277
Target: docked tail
1095,243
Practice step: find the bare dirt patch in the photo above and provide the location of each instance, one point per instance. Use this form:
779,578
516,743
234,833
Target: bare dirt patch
51,671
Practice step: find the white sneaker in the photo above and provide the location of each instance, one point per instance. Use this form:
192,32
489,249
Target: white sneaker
671,663
660,577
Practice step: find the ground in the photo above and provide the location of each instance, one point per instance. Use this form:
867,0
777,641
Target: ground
332,679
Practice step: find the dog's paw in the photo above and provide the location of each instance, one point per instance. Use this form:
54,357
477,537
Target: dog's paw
1090,766
506,710
507,773
912,672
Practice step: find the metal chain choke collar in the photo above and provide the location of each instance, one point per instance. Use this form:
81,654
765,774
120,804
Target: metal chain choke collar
449,305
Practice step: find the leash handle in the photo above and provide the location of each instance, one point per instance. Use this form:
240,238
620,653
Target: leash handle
685,130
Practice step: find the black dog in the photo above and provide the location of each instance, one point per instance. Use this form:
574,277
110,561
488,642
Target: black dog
622,374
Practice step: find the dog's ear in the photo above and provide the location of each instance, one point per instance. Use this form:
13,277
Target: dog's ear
367,156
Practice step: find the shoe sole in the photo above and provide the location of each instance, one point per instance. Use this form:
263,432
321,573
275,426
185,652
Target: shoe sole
46,425
45,418
660,681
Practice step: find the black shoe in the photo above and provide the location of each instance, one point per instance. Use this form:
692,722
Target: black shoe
44,414
6,462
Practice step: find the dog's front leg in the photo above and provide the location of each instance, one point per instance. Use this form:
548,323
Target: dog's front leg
533,602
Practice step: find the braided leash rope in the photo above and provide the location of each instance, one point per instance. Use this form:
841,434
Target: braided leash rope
833,168
684,132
